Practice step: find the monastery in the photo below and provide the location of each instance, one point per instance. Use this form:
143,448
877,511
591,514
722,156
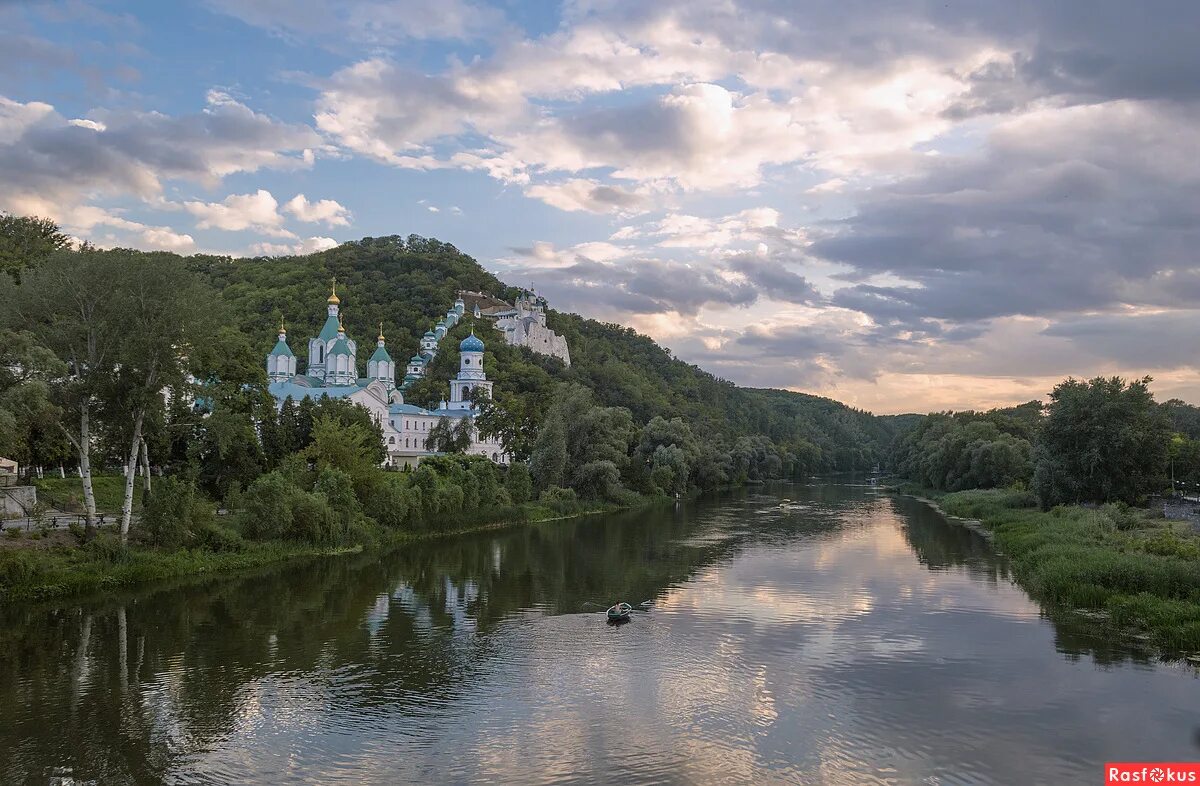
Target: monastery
333,372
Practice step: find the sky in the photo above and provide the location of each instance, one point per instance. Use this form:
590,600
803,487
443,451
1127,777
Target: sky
905,205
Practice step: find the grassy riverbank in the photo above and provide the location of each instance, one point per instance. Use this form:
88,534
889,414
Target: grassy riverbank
56,565
1141,570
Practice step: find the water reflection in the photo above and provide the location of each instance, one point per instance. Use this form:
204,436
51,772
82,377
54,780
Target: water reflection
841,637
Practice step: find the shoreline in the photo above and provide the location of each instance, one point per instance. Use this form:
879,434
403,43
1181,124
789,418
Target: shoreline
145,567
975,525
1123,570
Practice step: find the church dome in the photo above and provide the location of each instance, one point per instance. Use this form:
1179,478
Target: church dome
281,348
471,344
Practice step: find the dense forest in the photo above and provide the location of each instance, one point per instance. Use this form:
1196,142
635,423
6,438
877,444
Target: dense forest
408,283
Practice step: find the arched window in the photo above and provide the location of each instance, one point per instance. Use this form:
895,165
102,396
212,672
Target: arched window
406,442
320,353
495,457
391,440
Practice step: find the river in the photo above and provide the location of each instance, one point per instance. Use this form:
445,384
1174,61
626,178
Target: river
843,637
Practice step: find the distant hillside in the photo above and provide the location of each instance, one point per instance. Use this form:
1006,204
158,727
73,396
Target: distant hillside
407,284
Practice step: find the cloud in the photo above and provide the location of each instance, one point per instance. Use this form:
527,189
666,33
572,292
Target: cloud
325,211
167,239
580,194
307,246
238,212
51,165
1065,209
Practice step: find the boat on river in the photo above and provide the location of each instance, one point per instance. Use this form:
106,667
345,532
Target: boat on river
619,613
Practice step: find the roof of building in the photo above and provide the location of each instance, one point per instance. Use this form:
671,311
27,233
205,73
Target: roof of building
281,348
417,360
406,409
452,413
300,387
340,347
330,330
471,343
381,355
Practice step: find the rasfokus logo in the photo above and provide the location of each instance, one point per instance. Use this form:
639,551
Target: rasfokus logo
1151,772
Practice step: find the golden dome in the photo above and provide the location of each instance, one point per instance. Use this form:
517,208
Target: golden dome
381,331
333,298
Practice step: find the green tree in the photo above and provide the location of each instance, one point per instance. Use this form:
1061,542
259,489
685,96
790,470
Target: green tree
519,484
448,437
26,241
163,319
1103,440
347,447
549,460
73,302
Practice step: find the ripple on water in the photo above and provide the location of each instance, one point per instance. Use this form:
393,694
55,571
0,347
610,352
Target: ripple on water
841,638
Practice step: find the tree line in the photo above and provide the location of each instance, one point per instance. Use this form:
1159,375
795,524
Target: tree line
1100,440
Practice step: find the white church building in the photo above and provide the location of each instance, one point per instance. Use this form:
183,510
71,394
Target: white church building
523,323
333,372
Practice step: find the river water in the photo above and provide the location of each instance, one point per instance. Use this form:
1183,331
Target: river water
845,637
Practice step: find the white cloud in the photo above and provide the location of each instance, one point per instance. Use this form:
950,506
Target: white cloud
307,246
237,212
581,194
325,211
85,123
64,169
167,239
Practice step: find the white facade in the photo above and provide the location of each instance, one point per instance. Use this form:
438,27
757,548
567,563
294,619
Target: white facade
523,323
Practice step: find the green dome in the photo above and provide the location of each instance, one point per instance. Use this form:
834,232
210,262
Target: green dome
281,348
381,354
341,347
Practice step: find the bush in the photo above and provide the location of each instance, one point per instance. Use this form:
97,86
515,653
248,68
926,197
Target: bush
390,501
268,512
597,480
107,547
312,518
19,567
213,537
172,513
555,494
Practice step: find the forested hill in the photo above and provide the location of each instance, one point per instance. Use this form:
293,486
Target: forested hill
407,284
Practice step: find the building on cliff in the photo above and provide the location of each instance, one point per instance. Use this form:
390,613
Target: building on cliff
523,323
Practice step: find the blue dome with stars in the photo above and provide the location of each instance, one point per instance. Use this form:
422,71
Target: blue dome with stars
471,344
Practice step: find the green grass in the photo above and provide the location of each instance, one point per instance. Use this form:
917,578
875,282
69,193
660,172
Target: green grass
106,565
67,493
1142,570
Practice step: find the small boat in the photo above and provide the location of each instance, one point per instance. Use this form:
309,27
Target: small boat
619,612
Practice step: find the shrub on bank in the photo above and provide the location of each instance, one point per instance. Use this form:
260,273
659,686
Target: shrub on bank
173,514
1112,557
